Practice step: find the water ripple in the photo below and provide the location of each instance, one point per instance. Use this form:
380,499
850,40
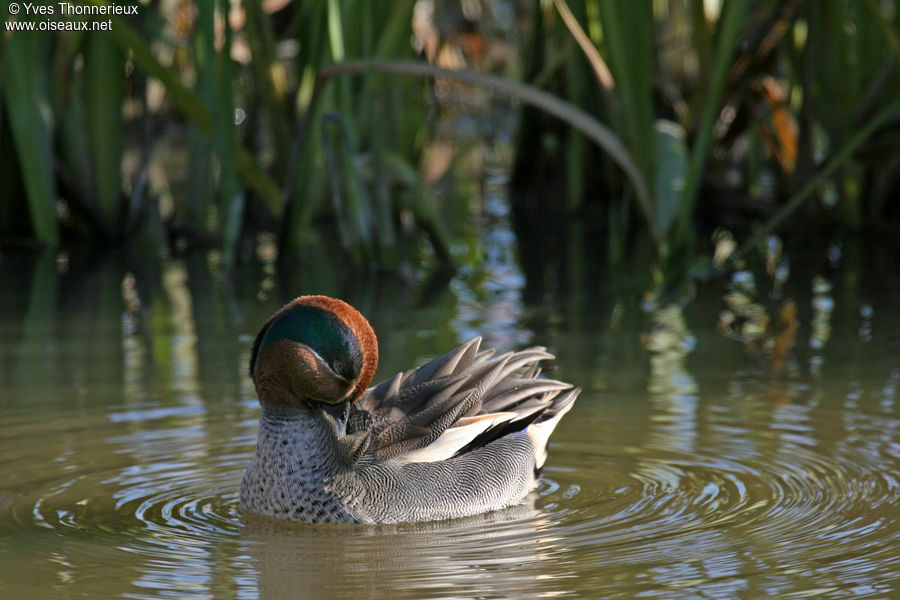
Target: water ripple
775,500
749,506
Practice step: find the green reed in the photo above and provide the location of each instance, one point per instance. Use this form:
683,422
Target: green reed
277,139
341,157
624,63
26,97
64,97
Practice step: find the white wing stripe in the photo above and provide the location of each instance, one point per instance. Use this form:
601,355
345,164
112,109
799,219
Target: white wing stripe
454,439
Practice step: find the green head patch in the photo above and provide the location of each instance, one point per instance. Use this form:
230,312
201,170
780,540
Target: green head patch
319,329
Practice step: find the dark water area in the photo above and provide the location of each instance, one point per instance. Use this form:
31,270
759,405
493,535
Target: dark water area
743,444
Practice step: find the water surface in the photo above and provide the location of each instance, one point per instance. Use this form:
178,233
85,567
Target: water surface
746,445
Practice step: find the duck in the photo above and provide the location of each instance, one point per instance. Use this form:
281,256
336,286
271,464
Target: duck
463,434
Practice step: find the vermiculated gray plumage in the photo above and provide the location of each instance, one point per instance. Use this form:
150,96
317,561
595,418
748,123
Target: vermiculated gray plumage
461,435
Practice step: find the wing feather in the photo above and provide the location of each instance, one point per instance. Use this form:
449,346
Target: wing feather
457,402
455,438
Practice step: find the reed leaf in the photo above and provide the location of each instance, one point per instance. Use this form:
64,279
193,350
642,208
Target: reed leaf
226,141
25,91
577,118
628,38
390,124
104,73
196,210
578,89
271,88
601,70
420,204
304,182
394,37
671,164
72,130
197,113
626,32
349,197
840,158
336,31
888,29
727,35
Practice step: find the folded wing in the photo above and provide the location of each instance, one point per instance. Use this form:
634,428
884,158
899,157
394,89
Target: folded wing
457,403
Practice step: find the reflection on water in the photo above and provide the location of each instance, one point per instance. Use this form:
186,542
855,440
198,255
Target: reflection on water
351,561
744,445
668,344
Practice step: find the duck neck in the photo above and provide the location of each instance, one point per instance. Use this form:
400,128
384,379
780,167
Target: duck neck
295,463
307,434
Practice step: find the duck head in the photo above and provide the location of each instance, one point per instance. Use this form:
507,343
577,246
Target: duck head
315,349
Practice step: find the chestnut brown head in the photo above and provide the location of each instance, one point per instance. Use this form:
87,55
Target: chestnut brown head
315,348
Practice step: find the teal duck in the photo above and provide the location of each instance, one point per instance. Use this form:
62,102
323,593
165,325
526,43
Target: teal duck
463,434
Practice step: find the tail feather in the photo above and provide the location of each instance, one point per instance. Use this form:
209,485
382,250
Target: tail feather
539,431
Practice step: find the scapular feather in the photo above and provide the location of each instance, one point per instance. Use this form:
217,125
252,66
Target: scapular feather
415,408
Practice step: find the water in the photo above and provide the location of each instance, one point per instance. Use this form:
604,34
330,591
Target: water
743,447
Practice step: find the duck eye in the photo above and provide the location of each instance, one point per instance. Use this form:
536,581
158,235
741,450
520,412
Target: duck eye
338,367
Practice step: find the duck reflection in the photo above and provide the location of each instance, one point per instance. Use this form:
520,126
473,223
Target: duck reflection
499,554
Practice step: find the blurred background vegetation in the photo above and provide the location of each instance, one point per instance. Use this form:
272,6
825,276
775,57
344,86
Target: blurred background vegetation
672,134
